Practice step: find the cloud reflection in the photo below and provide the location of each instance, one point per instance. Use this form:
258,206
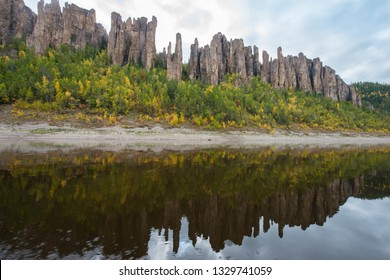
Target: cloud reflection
345,236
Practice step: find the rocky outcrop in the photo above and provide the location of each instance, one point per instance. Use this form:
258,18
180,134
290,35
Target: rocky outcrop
205,64
256,62
119,39
316,72
80,28
149,51
193,64
211,64
76,27
132,41
49,27
355,97
175,61
299,72
16,20
266,68
237,60
219,57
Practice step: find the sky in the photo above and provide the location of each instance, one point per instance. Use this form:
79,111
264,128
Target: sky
351,36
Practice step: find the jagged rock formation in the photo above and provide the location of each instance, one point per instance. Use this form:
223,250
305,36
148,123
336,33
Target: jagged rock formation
16,20
210,64
75,26
119,39
81,29
175,61
193,63
132,41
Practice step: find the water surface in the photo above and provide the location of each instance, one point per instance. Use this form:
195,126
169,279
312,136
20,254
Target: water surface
208,204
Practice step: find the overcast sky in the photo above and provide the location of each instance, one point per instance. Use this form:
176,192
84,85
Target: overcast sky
351,36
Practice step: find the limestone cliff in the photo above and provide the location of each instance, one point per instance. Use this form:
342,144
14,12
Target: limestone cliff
211,64
74,26
119,39
132,41
16,20
175,61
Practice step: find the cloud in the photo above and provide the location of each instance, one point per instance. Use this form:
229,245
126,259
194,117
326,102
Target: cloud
198,20
341,33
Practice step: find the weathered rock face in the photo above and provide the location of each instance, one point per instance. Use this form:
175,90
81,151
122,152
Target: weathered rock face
16,20
298,72
249,63
281,72
256,62
316,73
237,60
75,26
291,75
329,83
219,55
175,61
302,69
80,28
49,27
211,64
132,41
266,68
149,52
205,64
193,64
119,39
355,98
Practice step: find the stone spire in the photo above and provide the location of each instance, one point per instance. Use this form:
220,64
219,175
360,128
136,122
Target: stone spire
175,61
74,26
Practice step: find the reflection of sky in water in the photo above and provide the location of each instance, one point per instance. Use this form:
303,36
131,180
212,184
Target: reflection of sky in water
161,249
360,230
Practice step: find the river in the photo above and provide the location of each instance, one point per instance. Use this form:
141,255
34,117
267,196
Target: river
266,203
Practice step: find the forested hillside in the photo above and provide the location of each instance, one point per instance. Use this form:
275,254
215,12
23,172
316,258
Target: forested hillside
375,95
64,79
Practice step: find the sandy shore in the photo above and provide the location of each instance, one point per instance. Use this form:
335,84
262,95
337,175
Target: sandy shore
27,137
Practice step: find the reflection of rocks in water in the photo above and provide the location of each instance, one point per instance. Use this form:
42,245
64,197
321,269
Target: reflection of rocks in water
125,232
75,206
216,217
219,219
311,206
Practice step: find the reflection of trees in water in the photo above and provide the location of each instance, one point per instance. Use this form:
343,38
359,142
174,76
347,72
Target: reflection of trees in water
72,204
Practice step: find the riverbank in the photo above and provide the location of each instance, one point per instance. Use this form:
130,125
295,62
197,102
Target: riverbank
26,136
46,131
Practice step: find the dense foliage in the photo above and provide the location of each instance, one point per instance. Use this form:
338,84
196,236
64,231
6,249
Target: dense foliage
65,79
375,95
